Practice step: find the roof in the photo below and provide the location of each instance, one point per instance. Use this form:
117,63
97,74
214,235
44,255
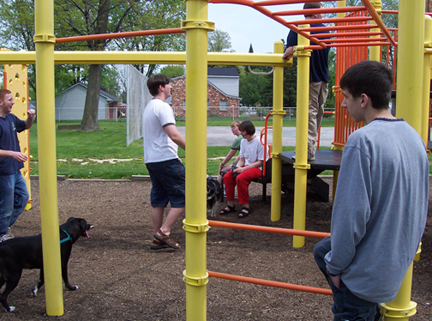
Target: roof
108,96
224,71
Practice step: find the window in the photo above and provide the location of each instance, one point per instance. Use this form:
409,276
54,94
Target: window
208,104
184,104
223,104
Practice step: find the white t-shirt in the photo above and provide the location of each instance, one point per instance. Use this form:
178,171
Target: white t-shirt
158,147
251,151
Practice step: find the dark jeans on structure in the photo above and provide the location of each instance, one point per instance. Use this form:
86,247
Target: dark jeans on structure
346,306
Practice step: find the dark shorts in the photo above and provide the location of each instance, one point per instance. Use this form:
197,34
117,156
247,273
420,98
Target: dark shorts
168,179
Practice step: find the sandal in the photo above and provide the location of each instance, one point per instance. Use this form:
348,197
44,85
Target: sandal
156,245
244,212
228,209
165,239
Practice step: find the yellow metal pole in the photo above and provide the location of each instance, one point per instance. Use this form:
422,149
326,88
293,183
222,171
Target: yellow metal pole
301,166
278,113
409,106
44,40
426,79
410,54
195,223
375,51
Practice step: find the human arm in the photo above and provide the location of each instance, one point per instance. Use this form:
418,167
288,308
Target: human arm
351,211
175,136
20,157
288,53
30,117
228,157
240,168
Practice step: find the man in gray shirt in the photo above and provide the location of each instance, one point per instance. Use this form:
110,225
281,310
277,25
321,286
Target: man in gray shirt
381,202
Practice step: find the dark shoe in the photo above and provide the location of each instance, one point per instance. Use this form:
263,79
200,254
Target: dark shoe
228,209
244,212
156,245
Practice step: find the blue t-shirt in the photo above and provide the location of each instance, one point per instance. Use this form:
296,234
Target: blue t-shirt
319,58
9,127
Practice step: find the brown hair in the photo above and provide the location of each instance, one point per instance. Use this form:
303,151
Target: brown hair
154,82
235,123
4,92
311,5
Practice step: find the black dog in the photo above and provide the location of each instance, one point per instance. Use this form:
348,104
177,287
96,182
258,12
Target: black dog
26,253
214,195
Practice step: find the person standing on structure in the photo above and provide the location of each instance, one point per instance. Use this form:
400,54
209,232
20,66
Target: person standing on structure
14,195
381,202
318,78
167,172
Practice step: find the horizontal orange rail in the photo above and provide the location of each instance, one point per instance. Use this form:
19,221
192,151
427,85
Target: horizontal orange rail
121,35
315,11
346,27
268,229
275,284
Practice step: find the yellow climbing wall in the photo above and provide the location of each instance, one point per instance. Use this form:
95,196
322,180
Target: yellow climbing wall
15,79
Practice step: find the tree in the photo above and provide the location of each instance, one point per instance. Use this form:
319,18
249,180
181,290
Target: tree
172,71
219,41
250,48
154,15
86,17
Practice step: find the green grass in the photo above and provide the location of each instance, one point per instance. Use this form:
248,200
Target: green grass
110,143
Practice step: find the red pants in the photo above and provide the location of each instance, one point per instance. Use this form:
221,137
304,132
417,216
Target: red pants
242,181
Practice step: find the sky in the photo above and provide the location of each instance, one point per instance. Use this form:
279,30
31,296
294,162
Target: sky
246,25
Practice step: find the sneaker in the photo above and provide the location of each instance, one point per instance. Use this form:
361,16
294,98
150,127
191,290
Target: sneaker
9,234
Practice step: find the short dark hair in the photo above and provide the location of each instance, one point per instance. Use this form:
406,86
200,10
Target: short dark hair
3,93
371,78
312,5
154,82
248,127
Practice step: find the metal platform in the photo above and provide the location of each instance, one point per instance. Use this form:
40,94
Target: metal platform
326,159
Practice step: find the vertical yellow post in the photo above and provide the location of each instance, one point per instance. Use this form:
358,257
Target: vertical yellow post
409,106
426,80
410,62
44,39
278,113
302,114
195,223
375,51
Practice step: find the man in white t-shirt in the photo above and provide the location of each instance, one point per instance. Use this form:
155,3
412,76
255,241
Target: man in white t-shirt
167,173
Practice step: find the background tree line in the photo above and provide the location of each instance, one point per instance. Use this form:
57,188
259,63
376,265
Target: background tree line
84,17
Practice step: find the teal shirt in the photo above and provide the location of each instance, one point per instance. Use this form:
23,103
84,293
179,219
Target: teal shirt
236,144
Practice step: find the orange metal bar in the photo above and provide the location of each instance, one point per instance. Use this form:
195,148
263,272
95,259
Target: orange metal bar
275,284
370,8
341,27
121,35
315,11
277,230
331,20
348,34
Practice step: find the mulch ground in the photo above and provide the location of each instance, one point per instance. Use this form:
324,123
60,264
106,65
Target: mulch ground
120,278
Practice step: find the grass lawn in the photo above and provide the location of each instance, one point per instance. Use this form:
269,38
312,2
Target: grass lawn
103,153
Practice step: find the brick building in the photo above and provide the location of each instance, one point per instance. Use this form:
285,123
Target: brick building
222,92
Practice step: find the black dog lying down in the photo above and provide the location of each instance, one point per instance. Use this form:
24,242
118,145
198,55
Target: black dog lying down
26,253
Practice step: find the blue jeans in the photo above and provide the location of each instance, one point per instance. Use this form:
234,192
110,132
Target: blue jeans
168,183
346,306
13,199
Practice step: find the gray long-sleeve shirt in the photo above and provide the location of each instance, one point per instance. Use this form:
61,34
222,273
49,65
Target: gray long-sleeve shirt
380,208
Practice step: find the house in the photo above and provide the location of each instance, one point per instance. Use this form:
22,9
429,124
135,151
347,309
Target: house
222,92
69,104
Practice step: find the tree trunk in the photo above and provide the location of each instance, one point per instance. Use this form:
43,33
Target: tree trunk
90,116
